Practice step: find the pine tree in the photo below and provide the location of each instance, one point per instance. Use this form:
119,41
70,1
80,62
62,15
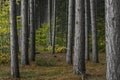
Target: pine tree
79,46
14,40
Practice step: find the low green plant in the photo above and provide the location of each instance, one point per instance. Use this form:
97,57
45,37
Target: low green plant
46,63
4,27
101,34
42,35
4,58
58,49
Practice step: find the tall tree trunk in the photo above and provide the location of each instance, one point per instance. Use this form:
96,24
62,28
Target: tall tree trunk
49,11
70,32
38,14
94,31
67,5
35,13
32,32
24,54
49,22
18,6
113,39
28,20
44,10
14,40
53,26
79,46
87,27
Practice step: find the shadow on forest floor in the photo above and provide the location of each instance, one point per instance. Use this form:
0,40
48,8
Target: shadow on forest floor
54,67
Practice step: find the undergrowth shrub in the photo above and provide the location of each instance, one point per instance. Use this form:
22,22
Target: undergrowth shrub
42,35
58,49
4,58
42,40
45,62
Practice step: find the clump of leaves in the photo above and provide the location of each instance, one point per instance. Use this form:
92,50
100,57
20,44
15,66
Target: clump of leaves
42,35
58,49
101,34
4,58
4,26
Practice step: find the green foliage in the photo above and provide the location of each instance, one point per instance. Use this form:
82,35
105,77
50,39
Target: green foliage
4,27
4,58
58,49
61,33
4,18
19,26
101,34
42,35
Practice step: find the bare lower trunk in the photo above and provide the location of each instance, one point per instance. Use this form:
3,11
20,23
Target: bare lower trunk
79,47
94,31
113,39
32,32
70,32
14,40
49,22
87,27
53,26
24,52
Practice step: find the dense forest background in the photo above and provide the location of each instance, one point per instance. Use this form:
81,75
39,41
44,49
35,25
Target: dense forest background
44,32
42,28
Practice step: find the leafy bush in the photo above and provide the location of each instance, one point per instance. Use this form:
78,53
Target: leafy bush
58,49
42,36
4,58
4,27
42,39
101,34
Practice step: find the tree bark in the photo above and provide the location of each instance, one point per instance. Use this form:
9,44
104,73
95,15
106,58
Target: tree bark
87,27
113,39
14,40
70,32
53,26
94,31
44,10
49,22
24,52
32,32
79,46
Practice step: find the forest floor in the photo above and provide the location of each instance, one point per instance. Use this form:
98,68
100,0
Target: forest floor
49,67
